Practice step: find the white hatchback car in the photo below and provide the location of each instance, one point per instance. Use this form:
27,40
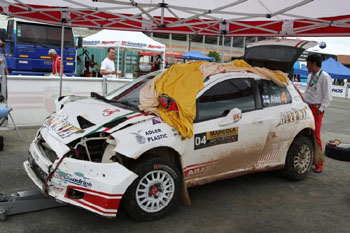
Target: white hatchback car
96,152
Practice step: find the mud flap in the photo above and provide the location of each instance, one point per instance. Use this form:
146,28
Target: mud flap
319,155
185,197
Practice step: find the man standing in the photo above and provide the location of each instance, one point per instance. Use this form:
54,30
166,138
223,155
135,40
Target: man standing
56,62
107,67
318,95
3,65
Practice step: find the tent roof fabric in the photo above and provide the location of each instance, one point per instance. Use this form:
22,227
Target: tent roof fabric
196,55
229,17
332,67
125,39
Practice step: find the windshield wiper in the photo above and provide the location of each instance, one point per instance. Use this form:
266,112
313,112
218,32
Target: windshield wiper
101,97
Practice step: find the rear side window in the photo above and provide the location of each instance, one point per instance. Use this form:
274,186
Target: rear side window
273,95
224,96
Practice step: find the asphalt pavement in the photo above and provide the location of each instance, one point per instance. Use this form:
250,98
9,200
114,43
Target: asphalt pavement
264,202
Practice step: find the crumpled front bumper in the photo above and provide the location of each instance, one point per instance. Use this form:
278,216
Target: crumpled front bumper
97,187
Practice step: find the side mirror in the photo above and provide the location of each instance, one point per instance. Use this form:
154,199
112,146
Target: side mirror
233,116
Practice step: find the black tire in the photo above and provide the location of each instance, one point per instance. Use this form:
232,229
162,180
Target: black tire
340,152
299,159
150,167
1,143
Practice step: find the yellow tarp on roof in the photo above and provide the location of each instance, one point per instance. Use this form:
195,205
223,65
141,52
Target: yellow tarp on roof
182,83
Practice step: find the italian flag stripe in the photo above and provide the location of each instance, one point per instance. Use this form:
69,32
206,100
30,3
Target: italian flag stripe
304,44
296,46
129,115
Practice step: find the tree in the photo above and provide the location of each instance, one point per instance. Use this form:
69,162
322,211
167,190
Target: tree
215,55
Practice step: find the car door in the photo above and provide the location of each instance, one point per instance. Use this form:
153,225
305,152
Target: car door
220,146
277,105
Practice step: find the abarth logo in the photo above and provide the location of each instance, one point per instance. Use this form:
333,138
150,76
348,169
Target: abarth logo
108,112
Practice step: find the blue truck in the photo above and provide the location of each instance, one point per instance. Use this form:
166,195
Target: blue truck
27,45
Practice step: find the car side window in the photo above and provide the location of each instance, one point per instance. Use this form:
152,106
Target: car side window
273,95
224,96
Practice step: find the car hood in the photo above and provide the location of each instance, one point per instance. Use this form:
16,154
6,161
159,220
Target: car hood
88,116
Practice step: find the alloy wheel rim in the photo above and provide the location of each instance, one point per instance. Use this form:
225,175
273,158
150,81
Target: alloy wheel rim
155,191
302,159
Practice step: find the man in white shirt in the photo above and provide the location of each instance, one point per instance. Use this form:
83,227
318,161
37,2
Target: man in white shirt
107,67
318,95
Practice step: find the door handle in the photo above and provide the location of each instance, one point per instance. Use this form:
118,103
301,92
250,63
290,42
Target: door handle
259,122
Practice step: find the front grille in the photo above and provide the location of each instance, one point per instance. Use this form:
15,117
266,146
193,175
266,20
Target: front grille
37,170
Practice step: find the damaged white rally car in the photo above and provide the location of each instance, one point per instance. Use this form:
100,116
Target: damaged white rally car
99,152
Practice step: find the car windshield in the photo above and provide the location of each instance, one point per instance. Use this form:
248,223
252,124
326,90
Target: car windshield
129,93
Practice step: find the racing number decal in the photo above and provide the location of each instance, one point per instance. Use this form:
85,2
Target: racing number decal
216,137
284,97
200,139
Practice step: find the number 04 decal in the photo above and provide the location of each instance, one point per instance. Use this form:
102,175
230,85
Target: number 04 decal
216,137
198,140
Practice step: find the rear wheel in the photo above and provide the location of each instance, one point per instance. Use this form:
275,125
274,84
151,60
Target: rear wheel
299,159
155,192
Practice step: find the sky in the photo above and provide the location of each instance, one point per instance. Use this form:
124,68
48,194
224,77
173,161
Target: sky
334,45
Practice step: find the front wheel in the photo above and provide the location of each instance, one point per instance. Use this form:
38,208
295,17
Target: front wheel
299,159
155,192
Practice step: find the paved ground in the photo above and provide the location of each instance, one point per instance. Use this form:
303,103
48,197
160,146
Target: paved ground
262,202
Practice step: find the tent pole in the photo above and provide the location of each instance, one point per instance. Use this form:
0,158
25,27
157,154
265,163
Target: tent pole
223,40
163,57
62,63
118,62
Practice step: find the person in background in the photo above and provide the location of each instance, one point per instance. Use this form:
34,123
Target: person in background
107,67
318,95
56,62
3,65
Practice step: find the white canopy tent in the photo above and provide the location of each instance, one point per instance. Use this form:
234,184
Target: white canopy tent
197,17
124,39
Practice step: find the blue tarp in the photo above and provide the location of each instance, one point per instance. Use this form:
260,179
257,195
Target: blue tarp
196,55
332,67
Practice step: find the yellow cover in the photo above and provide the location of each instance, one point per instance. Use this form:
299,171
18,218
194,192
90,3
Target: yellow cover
182,83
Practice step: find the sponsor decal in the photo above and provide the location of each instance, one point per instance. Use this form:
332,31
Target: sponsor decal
292,116
57,189
108,112
150,136
275,99
337,90
133,44
156,120
109,42
68,178
155,46
215,137
266,99
139,138
159,135
91,42
237,117
61,126
197,169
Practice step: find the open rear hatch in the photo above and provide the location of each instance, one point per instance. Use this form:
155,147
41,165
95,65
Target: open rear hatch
276,54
